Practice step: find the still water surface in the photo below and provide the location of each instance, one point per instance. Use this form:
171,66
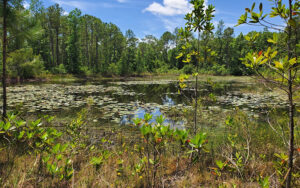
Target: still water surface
117,102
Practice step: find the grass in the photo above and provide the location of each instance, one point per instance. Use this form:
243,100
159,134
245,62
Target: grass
143,76
175,168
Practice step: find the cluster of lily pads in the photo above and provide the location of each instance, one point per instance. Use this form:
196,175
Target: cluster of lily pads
57,97
253,101
53,97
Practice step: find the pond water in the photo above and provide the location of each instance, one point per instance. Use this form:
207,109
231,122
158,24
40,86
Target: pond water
117,102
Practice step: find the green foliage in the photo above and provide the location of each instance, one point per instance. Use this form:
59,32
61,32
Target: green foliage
113,69
188,69
60,69
84,70
198,141
73,63
197,144
41,141
280,166
220,70
281,169
76,131
284,69
182,136
220,168
23,64
85,45
264,182
98,161
199,20
157,138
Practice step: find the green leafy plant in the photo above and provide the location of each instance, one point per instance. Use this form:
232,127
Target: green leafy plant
44,142
264,182
220,167
197,143
284,69
157,137
98,161
198,20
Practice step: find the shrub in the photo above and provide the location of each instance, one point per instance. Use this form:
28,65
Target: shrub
220,69
84,70
163,69
113,69
60,69
32,69
188,69
24,64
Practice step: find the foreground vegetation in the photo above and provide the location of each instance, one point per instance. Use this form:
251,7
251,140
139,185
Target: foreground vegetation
240,153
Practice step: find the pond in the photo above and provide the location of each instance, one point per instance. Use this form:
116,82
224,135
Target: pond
118,102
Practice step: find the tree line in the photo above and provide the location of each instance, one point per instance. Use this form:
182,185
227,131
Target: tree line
47,40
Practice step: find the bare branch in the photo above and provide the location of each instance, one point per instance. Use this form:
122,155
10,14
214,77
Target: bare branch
275,25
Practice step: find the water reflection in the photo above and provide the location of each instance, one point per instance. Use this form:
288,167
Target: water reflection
116,104
156,112
168,101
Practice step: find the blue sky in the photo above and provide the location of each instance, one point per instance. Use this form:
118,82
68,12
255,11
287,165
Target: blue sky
156,16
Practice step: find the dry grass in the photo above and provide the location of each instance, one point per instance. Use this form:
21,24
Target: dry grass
175,169
182,174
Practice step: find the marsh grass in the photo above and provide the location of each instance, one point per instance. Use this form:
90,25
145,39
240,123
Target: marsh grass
255,141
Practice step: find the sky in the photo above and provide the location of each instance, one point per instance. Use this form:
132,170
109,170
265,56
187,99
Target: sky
154,17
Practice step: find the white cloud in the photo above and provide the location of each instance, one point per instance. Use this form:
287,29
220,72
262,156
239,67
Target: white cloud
82,4
172,23
169,7
26,4
121,1
65,13
171,12
76,4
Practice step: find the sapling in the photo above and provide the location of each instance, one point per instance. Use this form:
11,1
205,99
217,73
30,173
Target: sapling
284,69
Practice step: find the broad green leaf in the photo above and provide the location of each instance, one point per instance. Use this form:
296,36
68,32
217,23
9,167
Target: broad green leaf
21,134
179,56
253,5
7,126
247,38
275,37
46,159
151,161
45,136
56,148
20,123
187,61
263,61
293,61
278,65
260,7
29,134
271,41
220,164
274,54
